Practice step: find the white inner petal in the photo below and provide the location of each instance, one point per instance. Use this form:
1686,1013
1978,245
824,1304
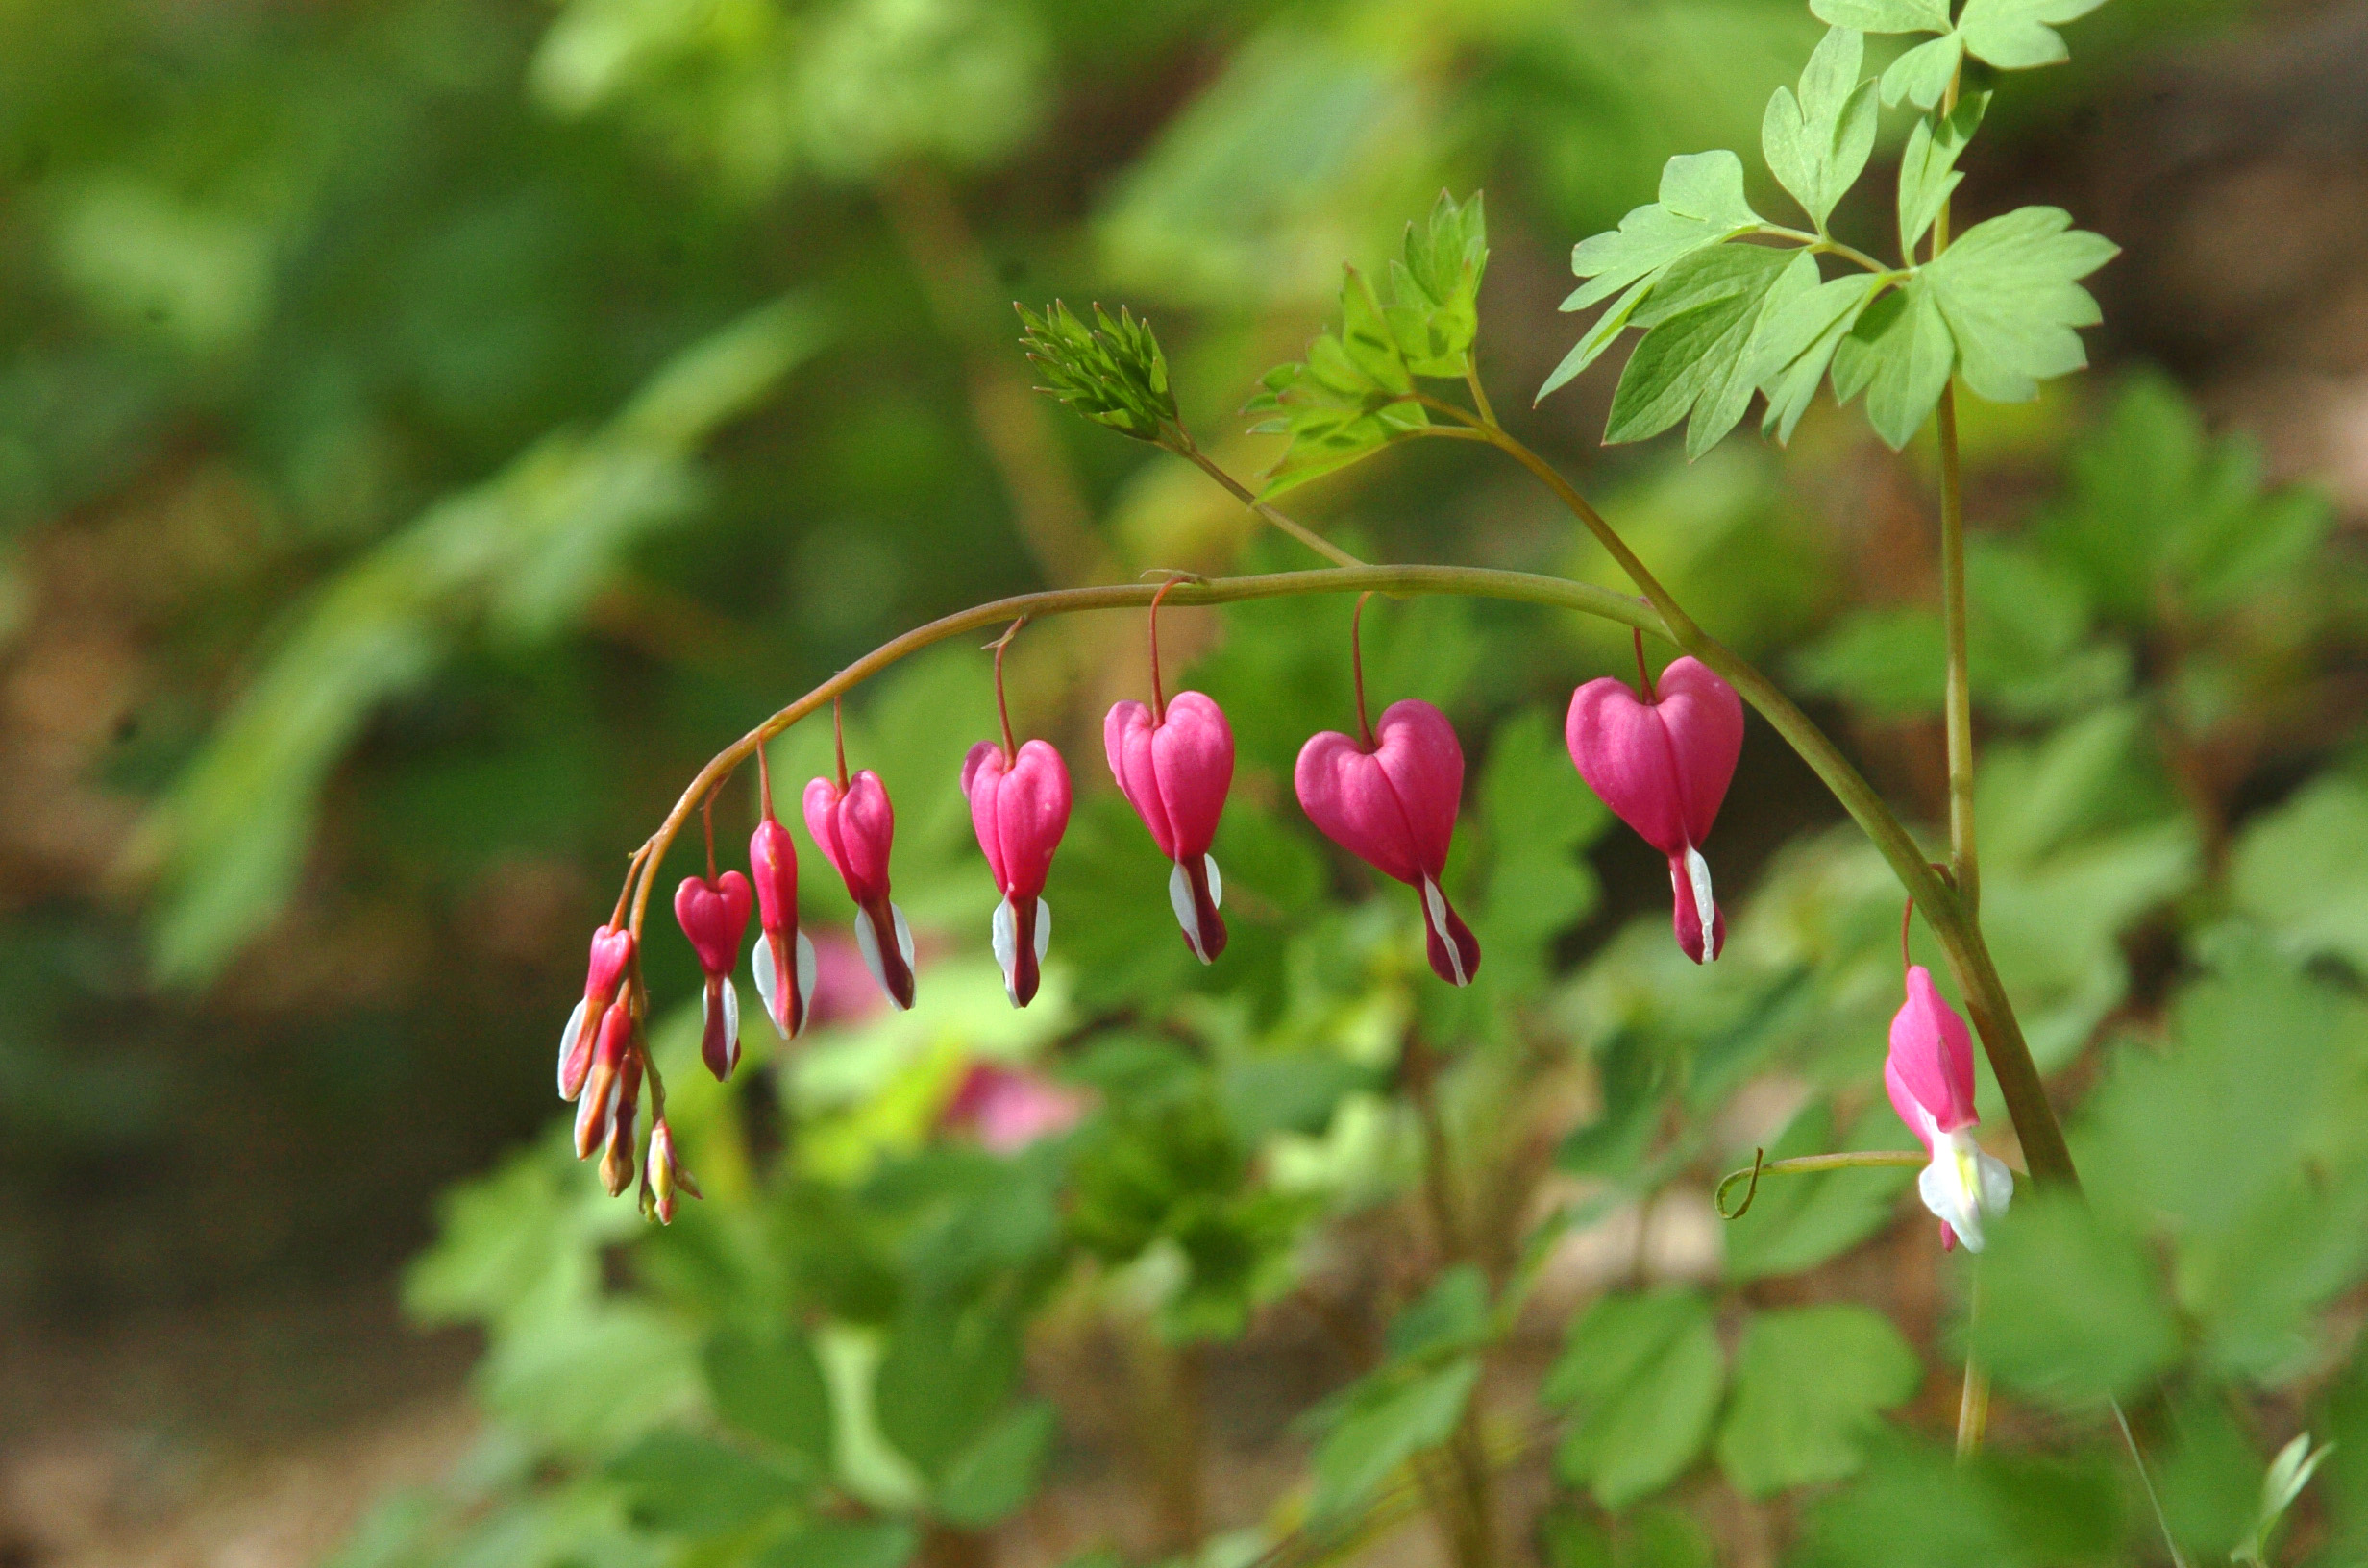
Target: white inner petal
1006,941
1181,900
760,966
867,943
567,1044
732,1021
1957,1187
1997,1183
1044,930
805,977
904,935
1217,883
1435,911
1698,872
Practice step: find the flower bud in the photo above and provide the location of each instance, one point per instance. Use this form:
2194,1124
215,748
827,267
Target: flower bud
854,828
664,1174
612,956
784,957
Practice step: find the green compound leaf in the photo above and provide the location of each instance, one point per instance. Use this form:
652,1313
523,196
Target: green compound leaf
2015,34
1884,15
1899,354
2009,292
1644,1374
1701,204
2072,1309
1797,341
1112,372
1696,355
1817,143
1923,74
988,1481
771,1386
1435,292
1808,1384
1928,171
1382,1422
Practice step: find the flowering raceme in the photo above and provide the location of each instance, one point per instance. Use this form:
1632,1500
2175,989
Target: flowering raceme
853,825
1930,1076
1391,803
714,912
1662,764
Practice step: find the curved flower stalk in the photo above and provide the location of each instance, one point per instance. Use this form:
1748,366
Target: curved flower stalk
1174,762
1662,764
853,825
1390,798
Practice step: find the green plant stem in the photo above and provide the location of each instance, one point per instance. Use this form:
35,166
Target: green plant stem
1973,1400
1965,860
1828,245
2044,1150
1248,497
1401,581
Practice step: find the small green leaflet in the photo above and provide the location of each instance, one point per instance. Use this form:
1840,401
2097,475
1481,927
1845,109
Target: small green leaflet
1923,74
2015,34
1701,204
2011,293
1928,171
1899,354
1353,393
1817,143
1795,344
1695,355
1884,15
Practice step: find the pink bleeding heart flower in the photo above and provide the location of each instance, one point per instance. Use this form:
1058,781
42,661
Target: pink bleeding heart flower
663,1174
1391,803
612,956
1662,764
1930,1076
715,915
854,827
1020,809
784,957
1175,768
596,1105
1007,1109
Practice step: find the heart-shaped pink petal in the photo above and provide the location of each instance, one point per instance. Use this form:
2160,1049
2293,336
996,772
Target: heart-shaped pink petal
1662,765
715,917
1392,807
1019,809
854,830
1176,772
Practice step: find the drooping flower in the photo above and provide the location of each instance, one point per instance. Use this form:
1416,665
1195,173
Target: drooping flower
1662,764
714,913
853,825
1175,768
1930,1076
1020,809
612,955
1007,1109
596,1105
784,957
1391,803
663,1174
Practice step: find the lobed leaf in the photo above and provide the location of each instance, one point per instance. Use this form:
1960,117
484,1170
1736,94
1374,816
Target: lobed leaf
2008,291
1695,355
1928,171
2015,34
1922,75
1817,143
1646,1373
1884,15
1809,1383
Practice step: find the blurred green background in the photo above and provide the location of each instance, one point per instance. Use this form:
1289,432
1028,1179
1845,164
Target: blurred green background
430,429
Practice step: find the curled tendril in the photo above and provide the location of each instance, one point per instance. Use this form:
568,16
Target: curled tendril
1804,1166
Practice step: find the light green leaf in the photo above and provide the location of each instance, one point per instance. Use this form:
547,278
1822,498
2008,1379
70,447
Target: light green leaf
1644,1374
2008,291
942,1382
1435,291
1884,15
2072,1309
1795,342
1898,352
987,1483
1928,171
1809,1384
2303,870
1693,358
2014,34
771,1386
1817,143
690,1486
1922,75
1348,398
1384,1421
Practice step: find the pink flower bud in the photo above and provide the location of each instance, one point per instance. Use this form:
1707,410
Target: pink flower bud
617,1161
1663,767
1174,772
1007,1109
715,917
784,957
612,955
853,828
1020,809
664,1174
1394,807
1929,1074
598,1101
